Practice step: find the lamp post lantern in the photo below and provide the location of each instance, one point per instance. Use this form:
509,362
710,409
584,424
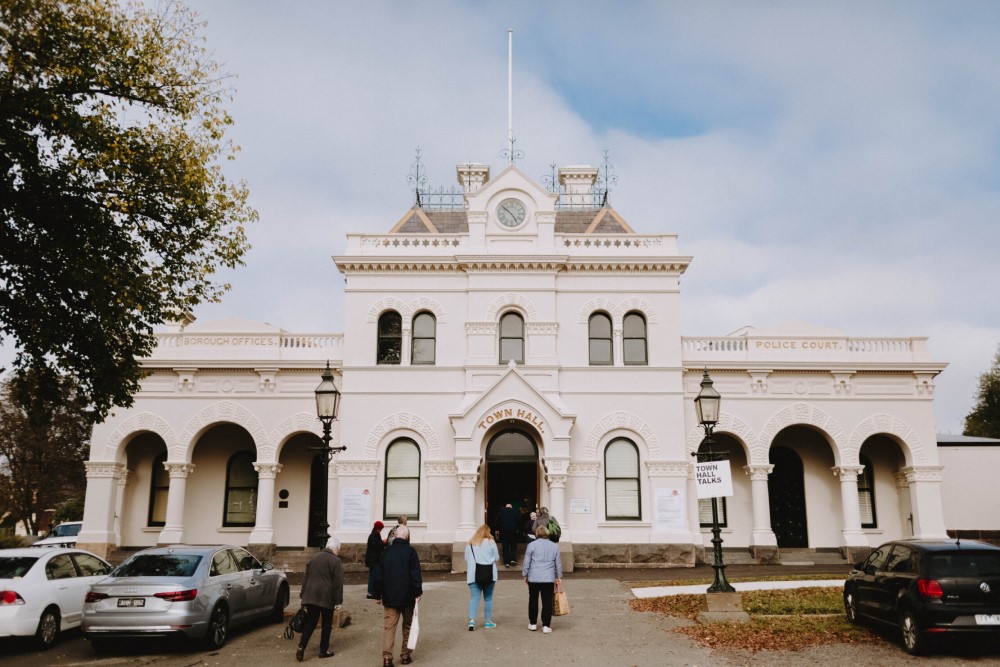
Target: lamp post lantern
707,405
327,407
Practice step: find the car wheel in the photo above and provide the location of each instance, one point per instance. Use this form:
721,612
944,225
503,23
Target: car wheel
48,628
913,641
851,607
280,602
218,627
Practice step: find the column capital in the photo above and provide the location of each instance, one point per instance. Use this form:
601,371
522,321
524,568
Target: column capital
267,470
122,476
179,469
96,469
758,473
468,481
557,481
922,473
847,473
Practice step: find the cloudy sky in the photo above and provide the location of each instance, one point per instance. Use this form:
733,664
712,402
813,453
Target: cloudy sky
837,163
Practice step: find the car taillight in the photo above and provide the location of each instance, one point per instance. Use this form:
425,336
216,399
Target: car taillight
10,597
178,596
929,588
93,596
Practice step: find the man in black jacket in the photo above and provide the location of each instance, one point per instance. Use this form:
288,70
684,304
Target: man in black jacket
398,586
506,525
373,554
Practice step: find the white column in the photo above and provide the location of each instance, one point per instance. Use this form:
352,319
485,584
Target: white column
618,347
853,536
120,503
263,530
173,529
557,500
98,531
762,534
467,503
407,343
925,501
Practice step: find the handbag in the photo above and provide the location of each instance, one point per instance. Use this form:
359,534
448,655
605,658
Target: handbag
484,573
296,624
560,601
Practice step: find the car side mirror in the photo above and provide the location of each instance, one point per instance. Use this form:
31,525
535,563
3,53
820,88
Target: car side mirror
859,566
265,567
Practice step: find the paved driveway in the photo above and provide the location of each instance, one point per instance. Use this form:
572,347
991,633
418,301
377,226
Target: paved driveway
601,630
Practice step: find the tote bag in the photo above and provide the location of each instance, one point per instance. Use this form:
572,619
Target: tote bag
560,601
411,642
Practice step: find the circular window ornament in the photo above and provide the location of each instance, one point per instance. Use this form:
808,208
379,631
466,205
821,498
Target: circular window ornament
511,213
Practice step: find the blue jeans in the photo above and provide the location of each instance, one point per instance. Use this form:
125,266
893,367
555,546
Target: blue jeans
474,592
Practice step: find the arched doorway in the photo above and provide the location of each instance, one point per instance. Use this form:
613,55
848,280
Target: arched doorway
786,489
511,472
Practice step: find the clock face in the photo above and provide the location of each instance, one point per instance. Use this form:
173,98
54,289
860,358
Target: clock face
511,213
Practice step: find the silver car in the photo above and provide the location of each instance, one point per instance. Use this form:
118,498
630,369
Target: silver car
197,592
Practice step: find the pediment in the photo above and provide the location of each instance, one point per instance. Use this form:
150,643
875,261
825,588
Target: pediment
512,396
511,180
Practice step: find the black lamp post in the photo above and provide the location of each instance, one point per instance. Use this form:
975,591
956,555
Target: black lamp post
707,405
327,406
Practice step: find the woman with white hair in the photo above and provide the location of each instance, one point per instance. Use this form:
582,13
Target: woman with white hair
322,591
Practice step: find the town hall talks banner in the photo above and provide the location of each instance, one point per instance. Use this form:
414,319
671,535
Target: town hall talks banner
714,478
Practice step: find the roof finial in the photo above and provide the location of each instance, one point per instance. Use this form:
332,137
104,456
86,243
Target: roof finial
606,178
417,177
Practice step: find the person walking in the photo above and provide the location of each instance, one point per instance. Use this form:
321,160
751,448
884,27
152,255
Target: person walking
322,591
373,554
398,586
506,524
481,554
542,570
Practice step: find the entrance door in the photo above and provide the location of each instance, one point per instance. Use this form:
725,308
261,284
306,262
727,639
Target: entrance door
511,474
787,493
317,478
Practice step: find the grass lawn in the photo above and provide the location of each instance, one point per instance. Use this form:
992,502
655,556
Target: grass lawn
785,620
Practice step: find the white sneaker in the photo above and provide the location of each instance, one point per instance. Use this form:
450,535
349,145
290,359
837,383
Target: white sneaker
532,627
546,630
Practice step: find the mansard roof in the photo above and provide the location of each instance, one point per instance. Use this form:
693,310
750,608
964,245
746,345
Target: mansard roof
423,221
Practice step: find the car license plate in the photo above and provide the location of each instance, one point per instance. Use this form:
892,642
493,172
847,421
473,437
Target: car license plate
987,619
131,602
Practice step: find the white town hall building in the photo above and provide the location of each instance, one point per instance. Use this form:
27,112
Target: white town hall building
520,343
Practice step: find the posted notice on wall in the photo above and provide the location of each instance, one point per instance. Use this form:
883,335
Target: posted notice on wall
671,512
355,509
579,505
714,479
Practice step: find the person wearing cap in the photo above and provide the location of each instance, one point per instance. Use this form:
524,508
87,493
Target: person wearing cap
373,554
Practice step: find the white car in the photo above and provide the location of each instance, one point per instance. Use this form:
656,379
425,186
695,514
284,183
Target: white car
63,535
42,590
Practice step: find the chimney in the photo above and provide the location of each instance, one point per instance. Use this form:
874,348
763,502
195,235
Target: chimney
578,179
473,176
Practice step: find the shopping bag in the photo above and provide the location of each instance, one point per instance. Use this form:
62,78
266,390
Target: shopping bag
411,642
560,602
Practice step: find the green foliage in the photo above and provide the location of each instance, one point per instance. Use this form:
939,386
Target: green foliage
71,509
984,420
114,213
8,540
42,445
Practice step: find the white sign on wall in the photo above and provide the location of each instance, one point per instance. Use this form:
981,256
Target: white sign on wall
714,479
355,509
671,511
579,505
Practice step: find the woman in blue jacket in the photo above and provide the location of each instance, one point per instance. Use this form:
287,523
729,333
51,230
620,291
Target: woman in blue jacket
542,570
481,550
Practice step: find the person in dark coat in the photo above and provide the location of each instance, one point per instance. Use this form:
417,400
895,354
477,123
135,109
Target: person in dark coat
507,525
373,554
322,591
398,586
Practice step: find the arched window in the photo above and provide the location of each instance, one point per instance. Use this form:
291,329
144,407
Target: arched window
634,339
621,480
241,490
390,338
424,334
600,340
159,485
511,338
866,495
402,479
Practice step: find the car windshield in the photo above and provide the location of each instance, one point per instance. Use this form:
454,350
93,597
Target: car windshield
66,530
158,565
12,567
965,564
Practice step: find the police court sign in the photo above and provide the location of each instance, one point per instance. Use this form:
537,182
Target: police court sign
714,479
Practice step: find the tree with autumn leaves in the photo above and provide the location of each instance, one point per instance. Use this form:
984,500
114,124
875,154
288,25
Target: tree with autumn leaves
114,210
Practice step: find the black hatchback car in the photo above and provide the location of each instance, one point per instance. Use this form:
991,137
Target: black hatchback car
927,588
